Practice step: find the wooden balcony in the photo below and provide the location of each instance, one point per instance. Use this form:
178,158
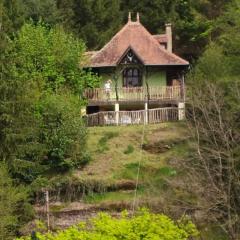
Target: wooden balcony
151,116
134,94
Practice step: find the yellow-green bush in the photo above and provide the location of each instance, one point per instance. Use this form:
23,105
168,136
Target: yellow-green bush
143,226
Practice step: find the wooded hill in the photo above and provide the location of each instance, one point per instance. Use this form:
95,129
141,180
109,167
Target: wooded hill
41,84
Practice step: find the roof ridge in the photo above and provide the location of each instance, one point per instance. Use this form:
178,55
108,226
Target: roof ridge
141,41
162,49
118,33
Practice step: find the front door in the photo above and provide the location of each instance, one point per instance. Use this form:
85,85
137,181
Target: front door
132,77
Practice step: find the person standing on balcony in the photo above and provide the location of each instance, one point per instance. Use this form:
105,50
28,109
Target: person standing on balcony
107,87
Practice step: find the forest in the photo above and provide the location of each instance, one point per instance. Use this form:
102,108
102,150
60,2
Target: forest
42,79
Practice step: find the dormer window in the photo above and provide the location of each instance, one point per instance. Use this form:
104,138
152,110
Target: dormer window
132,77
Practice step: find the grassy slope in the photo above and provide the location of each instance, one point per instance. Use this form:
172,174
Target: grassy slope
116,152
110,176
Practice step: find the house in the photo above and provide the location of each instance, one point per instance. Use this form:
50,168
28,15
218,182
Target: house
142,79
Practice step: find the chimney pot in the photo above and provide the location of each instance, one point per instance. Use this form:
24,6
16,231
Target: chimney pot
129,17
169,36
138,17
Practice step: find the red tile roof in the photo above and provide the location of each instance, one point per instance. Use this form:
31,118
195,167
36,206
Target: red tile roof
161,38
135,36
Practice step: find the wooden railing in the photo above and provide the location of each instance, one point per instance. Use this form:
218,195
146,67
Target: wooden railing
135,94
151,116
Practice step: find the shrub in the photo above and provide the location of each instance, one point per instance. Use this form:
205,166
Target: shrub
62,132
144,226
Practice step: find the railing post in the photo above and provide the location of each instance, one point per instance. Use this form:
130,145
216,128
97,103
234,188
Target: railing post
181,111
146,113
117,113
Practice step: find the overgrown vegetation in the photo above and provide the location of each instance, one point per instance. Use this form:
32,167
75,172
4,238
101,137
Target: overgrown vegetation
214,117
15,209
143,225
41,131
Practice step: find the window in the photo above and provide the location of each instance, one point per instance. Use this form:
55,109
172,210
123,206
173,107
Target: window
132,77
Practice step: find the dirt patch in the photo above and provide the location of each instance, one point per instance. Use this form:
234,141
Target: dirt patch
156,148
162,146
125,185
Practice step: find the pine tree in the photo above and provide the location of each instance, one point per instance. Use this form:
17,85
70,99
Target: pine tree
14,207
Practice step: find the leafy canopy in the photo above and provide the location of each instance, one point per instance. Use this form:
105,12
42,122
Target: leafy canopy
50,57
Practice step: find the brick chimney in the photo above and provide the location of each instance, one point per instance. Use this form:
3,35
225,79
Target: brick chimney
169,36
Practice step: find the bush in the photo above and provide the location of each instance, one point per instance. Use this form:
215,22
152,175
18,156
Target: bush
62,132
144,226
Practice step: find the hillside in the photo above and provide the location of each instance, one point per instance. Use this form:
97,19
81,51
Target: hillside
108,181
116,154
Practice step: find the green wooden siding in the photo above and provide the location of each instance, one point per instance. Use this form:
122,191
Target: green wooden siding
155,77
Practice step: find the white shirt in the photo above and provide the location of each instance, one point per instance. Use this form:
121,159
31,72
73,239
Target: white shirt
107,86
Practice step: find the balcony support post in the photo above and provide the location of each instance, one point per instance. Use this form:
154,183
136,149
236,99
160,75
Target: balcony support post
116,107
146,113
181,111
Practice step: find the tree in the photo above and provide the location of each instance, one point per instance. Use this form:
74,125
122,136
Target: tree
14,206
214,118
62,133
98,22
215,167
50,57
40,109
42,10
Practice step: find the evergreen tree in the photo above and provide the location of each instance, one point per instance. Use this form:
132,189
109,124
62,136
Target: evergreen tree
95,21
44,10
14,207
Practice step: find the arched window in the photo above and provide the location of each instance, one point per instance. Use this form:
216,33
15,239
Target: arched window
132,77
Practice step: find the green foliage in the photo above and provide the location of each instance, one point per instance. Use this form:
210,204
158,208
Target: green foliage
98,21
220,61
50,57
14,206
40,112
45,10
62,132
144,226
59,140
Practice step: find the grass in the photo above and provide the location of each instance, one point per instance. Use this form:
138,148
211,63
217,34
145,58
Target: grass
103,141
109,197
130,149
57,208
116,152
116,155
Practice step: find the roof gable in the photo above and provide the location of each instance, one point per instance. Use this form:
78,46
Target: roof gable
130,57
133,35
